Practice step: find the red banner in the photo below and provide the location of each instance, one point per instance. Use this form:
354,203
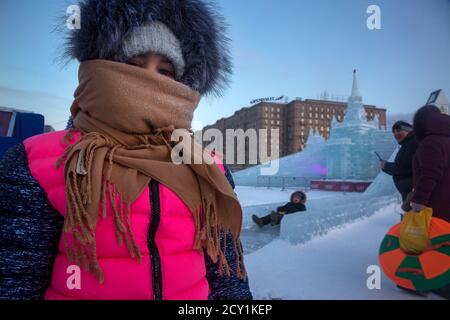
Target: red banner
339,186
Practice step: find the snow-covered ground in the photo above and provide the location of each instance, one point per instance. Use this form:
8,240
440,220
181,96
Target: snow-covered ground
333,266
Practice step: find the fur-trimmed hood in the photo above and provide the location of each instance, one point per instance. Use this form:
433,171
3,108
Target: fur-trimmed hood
300,194
429,120
107,24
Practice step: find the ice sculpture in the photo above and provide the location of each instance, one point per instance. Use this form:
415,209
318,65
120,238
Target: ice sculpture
296,169
351,146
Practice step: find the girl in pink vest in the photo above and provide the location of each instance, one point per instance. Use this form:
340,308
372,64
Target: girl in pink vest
102,210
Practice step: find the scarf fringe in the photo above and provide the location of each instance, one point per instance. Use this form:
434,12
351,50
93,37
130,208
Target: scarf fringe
211,237
210,234
79,195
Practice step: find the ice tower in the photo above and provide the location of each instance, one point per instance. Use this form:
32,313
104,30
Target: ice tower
350,148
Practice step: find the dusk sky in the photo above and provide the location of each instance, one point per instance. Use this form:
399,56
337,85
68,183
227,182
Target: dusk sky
296,48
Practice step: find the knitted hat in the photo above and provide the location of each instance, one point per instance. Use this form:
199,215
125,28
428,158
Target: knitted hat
402,125
157,38
190,33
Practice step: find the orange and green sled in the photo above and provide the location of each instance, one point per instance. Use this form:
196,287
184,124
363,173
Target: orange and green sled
427,271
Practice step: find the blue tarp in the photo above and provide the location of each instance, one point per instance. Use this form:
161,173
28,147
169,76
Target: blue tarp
26,125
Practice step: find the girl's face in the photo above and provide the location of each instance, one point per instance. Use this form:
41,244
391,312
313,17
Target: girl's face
154,62
296,199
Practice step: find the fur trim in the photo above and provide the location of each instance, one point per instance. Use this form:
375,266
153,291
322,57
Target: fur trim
300,194
106,24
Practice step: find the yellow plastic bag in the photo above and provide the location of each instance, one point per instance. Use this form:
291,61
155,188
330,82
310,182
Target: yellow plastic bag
414,231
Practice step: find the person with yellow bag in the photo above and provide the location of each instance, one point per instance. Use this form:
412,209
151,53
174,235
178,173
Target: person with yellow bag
431,170
431,163
414,231
415,253
414,236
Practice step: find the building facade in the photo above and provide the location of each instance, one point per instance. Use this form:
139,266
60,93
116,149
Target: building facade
293,120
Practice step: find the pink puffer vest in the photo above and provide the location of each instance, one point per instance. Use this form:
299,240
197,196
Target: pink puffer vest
170,269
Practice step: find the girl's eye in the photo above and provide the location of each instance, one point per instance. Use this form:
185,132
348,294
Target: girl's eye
167,73
134,64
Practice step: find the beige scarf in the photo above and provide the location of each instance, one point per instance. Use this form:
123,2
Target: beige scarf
126,115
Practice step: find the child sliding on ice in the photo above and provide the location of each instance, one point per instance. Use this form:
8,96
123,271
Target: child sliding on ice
296,204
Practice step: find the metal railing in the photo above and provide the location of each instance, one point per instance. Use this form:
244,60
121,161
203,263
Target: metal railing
283,182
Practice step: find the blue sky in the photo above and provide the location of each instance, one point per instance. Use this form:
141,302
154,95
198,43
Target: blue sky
297,48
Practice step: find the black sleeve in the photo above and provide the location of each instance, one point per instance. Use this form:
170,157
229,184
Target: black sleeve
229,176
402,167
29,230
390,168
224,287
407,162
292,207
283,208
